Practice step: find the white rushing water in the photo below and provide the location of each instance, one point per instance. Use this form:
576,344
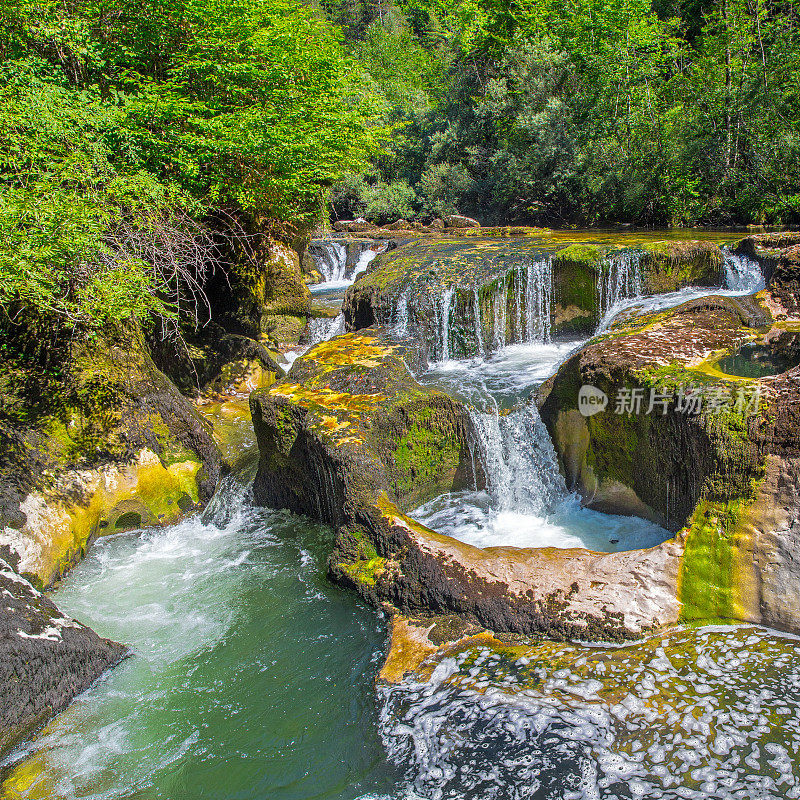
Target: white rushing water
742,276
479,320
336,264
526,503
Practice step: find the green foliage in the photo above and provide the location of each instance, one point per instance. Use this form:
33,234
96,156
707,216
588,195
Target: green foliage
126,128
589,111
441,186
388,202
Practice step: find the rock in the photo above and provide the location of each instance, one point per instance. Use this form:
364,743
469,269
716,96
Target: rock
778,254
457,221
502,292
119,448
672,265
353,226
436,225
352,440
726,480
398,225
410,285
46,659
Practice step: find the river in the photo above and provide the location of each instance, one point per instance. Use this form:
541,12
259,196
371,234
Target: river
251,676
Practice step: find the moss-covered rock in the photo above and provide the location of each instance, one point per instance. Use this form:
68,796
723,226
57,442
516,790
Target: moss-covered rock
351,439
671,265
714,476
465,298
778,254
100,443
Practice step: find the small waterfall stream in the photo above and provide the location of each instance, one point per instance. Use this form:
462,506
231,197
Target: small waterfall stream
477,320
526,502
341,262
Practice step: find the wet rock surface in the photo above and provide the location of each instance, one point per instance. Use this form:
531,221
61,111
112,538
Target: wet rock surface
489,293
46,659
351,439
113,445
710,473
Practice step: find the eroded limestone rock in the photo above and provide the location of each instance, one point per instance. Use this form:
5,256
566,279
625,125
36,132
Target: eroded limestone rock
351,439
726,479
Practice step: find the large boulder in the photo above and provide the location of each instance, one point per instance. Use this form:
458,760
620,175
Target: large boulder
46,659
726,477
352,440
457,221
101,443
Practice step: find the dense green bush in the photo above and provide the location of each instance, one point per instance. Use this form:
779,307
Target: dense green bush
128,130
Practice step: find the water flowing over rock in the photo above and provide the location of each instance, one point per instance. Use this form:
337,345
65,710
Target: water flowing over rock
466,299
351,439
342,261
708,459
124,449
519,461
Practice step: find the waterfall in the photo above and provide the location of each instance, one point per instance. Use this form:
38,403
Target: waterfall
620,279
444,324
337,261
538,296
367,255
324,328
476,306
500,307
519,461
742,274
330,258
400,324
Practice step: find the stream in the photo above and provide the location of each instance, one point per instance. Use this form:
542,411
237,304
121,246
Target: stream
253,677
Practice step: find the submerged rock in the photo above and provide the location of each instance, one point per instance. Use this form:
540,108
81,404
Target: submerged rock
711,454
46,659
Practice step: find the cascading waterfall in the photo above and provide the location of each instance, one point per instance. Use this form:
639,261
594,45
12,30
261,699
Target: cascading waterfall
620,279
331,260
445,306
742,274
367,255
519,461
323,329
476,310
401,316
335,260
538,297
514,309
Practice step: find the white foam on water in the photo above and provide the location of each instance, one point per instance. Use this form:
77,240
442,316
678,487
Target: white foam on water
690,715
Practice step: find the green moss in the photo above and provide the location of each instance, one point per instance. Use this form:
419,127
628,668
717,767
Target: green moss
366,572
614,445
426,459
713,580
585,255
